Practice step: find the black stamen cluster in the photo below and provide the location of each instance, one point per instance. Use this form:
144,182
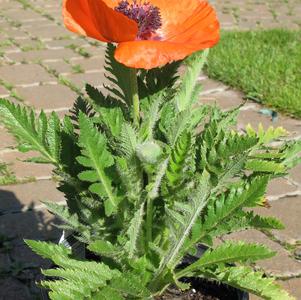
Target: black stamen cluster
146,15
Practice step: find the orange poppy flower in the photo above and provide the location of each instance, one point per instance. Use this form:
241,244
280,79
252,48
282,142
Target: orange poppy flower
148,34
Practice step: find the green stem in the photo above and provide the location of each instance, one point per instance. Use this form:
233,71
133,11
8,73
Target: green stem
149,220
135,97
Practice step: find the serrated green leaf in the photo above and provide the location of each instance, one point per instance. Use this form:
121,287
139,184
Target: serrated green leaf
187,95
264,166
128,140
53,136
107,293
130,284
134,231
291,154
151,117
152,81
220,216
104,248
254,282
178,158
119,76
98,158
228,253
180,232
48,250
29,132
266,136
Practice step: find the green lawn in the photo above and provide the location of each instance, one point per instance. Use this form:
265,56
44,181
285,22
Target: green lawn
266,65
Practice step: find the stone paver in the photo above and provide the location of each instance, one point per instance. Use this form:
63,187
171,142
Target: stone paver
97,79
22,169
293,285
14,290
40,55
94,63
60,67
288,210
281,187
280,265
236,14
48,32
26,74
228,99
6,140
63,43
37,56
295,174
47,96
4,92
30,225
31,194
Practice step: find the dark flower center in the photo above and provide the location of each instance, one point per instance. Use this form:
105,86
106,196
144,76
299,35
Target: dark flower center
145,14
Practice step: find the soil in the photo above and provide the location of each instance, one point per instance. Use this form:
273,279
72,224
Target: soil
202,290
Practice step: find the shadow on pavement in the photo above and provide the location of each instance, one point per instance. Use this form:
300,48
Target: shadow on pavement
19,266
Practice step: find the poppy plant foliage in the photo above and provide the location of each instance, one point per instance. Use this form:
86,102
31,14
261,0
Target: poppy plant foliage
149,173
149,34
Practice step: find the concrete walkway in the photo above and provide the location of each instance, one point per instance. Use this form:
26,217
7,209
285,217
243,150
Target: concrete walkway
45,66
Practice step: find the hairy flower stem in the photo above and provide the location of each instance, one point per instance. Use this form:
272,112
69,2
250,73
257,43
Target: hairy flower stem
135,97
149,220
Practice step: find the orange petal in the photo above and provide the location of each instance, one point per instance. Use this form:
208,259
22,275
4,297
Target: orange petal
112,3
199,31
96,19
77,18
175,12
113,25
201,25
153,54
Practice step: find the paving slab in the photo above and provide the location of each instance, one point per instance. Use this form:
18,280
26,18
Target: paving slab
30,225
29,44
95,51
21,197
13,289
96,79
15,33
295,175
29,23
24,74
281,187
254,117
64,43
4,92
293,285
210,87
280,265
268,14
22,15
6,139
23,254
49,32
92,63
288,210
59,66
48,96
22,169
5,261
227,100
40,55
